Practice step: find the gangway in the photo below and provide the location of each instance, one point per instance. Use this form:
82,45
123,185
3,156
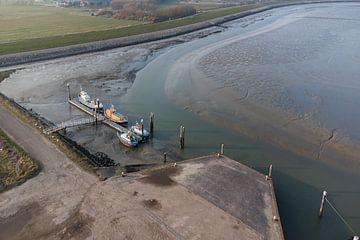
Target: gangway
73,123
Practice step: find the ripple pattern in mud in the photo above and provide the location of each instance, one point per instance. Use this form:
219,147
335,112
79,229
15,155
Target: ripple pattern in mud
252,66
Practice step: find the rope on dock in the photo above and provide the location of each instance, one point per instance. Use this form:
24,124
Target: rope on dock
341,217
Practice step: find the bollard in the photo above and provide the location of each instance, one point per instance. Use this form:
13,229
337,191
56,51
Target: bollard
222,149
270,171
68,86
151,123
182,137
164,157
322,204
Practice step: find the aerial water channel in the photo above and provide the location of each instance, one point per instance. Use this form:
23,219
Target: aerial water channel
279,87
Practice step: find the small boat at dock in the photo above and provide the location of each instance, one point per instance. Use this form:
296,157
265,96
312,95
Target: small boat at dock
140,131
127,139
85,99
115,116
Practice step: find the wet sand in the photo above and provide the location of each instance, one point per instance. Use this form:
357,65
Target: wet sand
223,82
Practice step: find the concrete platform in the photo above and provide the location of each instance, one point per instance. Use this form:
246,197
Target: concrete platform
203,198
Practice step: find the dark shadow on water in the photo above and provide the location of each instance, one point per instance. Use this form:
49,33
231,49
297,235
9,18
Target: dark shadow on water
299,212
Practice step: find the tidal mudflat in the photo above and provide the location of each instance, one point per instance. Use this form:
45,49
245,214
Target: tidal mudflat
267,86
292,82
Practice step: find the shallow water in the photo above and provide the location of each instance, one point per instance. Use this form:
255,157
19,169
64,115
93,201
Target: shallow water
294,82
299,181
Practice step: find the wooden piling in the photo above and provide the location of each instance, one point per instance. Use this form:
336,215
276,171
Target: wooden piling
164,157
222,149
270,171
97,110
142,129
68,86
182,137
151,123
322,204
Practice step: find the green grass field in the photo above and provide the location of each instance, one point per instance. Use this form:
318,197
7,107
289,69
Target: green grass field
26,22
16,166
46,37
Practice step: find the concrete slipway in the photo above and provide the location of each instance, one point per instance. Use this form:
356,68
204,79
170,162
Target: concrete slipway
205,198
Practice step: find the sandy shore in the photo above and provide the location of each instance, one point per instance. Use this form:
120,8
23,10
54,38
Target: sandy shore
228,103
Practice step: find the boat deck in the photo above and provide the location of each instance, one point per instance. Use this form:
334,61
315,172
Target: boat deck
102,119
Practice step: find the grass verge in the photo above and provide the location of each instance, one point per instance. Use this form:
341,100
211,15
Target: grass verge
5,74
16,166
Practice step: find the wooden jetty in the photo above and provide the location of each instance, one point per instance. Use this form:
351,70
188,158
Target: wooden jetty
102,119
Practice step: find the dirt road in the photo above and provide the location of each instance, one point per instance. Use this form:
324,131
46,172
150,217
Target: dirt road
47,202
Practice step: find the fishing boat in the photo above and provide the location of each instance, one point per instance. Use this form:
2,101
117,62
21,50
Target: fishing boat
85,99
115,116
137,129
128,139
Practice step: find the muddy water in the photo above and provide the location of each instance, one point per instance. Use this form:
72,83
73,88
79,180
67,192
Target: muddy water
307,81
299,180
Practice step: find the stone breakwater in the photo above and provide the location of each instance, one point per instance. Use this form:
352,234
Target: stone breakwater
52,53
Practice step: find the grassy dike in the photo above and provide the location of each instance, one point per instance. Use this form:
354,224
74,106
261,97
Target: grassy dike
71,151
78,38
16,166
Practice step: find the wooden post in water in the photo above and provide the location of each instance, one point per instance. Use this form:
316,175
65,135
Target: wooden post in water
164,157
270,171
322,204
94,114
151,123
182,137
222,149
97,110
142,129
68,86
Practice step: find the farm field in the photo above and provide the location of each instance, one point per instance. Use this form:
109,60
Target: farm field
27,22
79,27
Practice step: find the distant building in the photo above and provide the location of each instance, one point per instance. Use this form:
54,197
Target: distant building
82,3
95,2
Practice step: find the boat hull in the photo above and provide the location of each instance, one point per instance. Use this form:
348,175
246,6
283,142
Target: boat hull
90,104
120,119
139,132
126,141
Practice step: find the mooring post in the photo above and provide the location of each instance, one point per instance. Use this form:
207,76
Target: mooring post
164,157
98,105
94,114
97,110
222,149
270,171
182,137
183,142
142,129
68,86
322,204
151,122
